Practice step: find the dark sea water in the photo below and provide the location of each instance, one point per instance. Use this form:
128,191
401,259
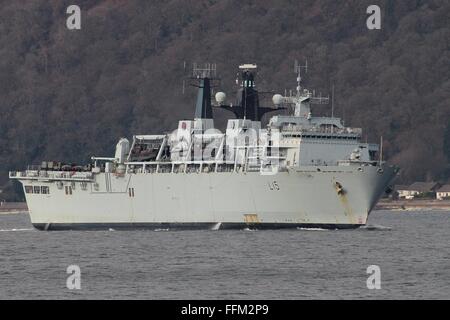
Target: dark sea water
412,250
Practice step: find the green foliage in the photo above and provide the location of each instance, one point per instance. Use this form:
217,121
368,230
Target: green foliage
66,95
426,195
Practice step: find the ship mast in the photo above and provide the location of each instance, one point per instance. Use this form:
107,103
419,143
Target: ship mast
205,75
247,104
303,98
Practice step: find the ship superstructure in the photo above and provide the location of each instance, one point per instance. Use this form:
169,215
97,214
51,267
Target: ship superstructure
297,171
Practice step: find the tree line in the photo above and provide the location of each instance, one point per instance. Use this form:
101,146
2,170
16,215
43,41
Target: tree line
69,94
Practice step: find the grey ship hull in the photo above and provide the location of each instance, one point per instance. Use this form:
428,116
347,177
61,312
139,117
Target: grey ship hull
300,197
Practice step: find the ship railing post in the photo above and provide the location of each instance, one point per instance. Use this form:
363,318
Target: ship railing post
219,153
244,163
235,158
246,159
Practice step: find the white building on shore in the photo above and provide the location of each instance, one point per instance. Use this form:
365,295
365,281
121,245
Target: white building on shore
416,189
443,192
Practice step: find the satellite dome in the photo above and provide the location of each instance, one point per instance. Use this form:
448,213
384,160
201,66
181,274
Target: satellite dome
277,99
220,97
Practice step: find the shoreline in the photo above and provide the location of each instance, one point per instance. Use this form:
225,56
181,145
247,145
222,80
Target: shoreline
417,204
13,208
4,213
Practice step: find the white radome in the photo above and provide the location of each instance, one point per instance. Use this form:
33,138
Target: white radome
277,99
220,97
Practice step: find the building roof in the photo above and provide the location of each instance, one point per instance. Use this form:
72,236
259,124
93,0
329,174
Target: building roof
444,188
399,187
423,186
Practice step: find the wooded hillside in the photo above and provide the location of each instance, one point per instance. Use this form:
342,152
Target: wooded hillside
68,94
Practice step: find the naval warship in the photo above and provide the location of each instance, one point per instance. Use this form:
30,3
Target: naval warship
298,170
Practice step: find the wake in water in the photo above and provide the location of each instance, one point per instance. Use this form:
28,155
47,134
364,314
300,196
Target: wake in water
13,230
216,226
375,227
312,229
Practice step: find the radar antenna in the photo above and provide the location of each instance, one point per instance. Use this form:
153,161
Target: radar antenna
208,70
204,75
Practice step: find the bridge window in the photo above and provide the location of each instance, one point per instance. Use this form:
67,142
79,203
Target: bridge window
45,190
37,189
68,190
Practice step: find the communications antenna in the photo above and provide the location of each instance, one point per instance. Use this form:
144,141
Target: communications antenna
184,80
298,70
332,101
